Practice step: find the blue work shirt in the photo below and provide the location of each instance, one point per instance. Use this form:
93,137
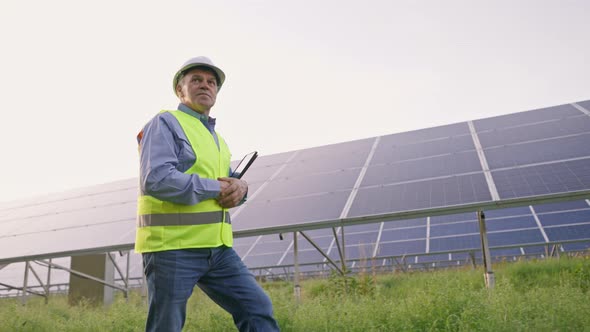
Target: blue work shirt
165,154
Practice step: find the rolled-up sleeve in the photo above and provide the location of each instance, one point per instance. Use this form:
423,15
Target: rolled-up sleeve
162,172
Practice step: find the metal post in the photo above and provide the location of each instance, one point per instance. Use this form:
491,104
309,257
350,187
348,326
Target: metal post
487,259
343,251
473,262
25,283
127,276
48,281
322,252
296,275
338,243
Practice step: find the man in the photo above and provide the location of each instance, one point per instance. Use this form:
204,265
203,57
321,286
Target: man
184,230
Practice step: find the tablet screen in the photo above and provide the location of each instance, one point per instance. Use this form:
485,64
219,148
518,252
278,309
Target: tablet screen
244,164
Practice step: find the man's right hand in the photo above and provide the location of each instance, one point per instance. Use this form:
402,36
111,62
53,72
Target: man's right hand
232,192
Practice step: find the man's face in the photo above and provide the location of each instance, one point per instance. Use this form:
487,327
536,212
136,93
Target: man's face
198,90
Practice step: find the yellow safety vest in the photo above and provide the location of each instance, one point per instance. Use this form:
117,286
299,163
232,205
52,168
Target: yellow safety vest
165,225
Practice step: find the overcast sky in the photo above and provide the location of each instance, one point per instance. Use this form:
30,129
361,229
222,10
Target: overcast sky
79,79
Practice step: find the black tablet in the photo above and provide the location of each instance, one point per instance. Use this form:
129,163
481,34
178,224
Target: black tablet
244,165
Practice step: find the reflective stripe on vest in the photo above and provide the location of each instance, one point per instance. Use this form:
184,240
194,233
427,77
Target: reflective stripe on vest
163,225
182,219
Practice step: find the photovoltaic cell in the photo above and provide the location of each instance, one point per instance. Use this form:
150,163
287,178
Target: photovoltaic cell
445,165
394,152
433,258
511,223
537,152
269,247
543,179
468,227
41,243
561,206
270,259
87,202
535,250
505,252
305,185
310,256
564,218
243,244
455,243
516,119
361,228
401,248
420,195
404,223
582,246
515,237
464,256
260,174
508,212
361,251
420,135
567,126
575,232
294,211
449,218
403,234
321,241
360,238
585,104
329,158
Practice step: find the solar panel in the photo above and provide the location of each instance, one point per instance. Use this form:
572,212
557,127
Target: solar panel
393,181
401,234
585,104
534,116
564,148
437,166
453,190
507,223
574,125
387,153
573,232
534,180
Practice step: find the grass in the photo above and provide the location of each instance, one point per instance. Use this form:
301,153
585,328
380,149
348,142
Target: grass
546,295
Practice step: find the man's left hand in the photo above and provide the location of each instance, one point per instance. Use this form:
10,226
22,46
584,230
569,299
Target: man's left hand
232,192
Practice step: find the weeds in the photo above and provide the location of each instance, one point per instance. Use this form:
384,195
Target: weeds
550,295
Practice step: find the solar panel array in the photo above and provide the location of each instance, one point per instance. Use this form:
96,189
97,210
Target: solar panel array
484,162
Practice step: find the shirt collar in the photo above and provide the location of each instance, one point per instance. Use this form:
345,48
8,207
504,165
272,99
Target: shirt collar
206,120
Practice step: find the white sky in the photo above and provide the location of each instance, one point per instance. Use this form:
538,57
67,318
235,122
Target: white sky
78,79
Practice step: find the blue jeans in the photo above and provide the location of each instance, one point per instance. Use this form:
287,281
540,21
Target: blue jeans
219,272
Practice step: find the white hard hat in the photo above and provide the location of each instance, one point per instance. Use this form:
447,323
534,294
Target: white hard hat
200,61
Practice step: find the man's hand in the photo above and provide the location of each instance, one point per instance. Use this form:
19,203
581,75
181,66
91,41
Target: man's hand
232,192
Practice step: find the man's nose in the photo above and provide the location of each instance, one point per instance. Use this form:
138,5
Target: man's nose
203,85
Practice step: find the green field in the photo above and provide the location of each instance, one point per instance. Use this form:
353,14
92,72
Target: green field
545,295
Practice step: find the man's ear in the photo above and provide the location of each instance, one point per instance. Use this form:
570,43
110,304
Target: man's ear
179,91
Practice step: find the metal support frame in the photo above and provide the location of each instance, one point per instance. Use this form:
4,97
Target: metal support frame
401,265
297,287
25,289
124,278
84,275
21,289
127,275
485,249
324,254
48,281
25,284
473,261
340,249
343,258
